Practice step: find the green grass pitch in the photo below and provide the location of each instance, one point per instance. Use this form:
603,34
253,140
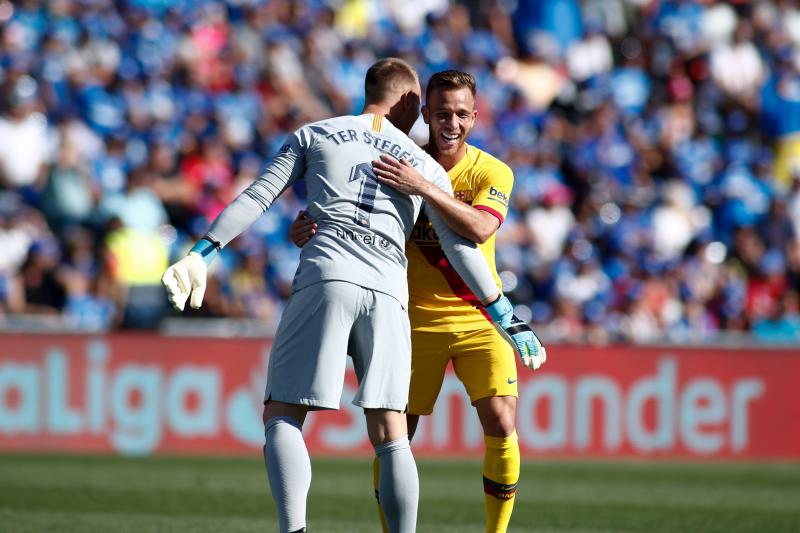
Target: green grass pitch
173,494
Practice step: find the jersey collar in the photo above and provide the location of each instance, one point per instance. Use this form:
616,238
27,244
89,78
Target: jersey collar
465,162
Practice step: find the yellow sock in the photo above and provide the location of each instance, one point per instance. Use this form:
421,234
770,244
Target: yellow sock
376,480
500,475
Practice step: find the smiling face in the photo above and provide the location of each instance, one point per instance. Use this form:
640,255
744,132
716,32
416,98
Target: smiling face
450,114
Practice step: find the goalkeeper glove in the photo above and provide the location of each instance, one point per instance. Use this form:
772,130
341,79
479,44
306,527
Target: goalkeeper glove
188,276
517,333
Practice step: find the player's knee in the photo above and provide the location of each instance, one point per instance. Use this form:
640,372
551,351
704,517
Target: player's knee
507,425
498,415
385,425
273,409
499,425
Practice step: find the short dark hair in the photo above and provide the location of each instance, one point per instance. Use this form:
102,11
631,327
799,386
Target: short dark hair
450,79
388,76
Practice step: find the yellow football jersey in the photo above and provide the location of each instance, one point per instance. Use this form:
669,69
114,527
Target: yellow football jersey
439,298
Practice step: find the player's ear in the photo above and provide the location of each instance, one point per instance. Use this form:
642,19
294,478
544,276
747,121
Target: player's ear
410,103
426,114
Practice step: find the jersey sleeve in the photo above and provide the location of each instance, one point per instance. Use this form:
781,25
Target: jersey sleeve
464,255
494,193
286,167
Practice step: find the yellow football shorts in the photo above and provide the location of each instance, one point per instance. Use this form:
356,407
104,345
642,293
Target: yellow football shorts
482,360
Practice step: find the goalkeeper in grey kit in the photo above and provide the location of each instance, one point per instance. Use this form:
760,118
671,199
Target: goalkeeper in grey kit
349,294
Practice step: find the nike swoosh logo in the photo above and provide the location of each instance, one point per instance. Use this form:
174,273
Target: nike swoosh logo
512,381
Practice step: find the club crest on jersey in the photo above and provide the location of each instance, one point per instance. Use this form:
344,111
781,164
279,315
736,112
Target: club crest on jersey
464,196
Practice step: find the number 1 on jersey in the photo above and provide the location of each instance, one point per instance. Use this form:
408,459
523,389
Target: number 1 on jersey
366,195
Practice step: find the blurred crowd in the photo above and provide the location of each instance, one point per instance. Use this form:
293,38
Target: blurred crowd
655,146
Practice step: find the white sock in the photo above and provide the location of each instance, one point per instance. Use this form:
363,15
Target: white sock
399,485
288,470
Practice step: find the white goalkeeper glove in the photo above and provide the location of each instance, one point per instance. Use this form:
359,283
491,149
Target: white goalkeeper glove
188,276
517,333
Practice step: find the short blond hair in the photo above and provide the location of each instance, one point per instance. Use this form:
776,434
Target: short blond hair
388,76
449,80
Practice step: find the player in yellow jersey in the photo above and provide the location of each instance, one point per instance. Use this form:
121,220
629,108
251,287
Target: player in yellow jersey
446,324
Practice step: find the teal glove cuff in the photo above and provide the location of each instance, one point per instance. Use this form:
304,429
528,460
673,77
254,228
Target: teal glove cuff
206,249
500,311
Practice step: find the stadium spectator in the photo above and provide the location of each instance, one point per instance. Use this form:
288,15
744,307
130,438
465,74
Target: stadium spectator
613,104
41,280
27,143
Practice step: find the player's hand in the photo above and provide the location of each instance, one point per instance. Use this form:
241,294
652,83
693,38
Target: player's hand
400,175
517,333
184,278
302,229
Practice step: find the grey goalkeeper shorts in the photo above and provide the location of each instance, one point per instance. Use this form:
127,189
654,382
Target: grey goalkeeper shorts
323,324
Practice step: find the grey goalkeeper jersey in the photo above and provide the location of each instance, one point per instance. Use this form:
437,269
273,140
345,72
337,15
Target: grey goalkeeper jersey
362,225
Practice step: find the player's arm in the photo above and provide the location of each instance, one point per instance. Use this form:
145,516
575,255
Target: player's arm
470,264
188,276
473,224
